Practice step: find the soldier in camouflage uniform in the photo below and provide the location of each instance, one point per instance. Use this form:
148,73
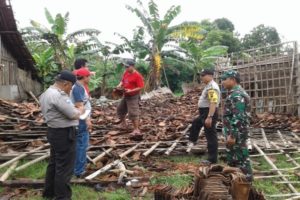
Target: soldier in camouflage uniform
236,121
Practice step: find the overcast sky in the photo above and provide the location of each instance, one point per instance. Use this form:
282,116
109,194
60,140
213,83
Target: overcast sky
111,16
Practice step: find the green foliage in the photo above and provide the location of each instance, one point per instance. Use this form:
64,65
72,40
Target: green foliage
224,24
35,171
83,192
177,180
261,36
53,49
119,194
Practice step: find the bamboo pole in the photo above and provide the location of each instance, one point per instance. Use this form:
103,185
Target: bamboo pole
32,162
151,149
172,147
274,176
23,155
96,159
102,170
267,154
129,150
284,195
267,144
286,155
274,167
283,140
9,171
285,182
295,136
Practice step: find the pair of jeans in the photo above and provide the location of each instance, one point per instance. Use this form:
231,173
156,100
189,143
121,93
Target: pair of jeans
210,133
82,144
61,163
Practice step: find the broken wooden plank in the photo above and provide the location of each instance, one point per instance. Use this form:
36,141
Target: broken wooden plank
267,144
23,155
96,159
9,171
47,155
292,188
151,149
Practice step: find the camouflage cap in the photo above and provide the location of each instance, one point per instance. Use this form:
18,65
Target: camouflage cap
230,74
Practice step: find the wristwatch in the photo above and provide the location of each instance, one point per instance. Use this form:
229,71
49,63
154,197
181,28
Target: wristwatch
209,116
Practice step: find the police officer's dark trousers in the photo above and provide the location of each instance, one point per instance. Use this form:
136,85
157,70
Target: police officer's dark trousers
61,163
210,133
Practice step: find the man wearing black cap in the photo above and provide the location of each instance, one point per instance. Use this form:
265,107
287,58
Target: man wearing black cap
208,104
132,83
61,117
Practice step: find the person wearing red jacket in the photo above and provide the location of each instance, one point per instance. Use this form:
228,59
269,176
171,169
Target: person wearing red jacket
132,83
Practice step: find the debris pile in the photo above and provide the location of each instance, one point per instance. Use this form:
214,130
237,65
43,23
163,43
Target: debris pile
213,182
277,121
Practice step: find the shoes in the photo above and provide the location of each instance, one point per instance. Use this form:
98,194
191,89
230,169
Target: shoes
82,175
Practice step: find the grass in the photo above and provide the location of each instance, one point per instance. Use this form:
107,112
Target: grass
119,194
35,171
177,180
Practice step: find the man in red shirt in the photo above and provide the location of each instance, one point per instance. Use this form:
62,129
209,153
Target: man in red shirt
132,83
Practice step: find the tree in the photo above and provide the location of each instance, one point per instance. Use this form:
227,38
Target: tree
260,36
224,24
64,46
160,33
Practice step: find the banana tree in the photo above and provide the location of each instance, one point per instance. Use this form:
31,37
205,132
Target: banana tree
64,45
201,58
161,34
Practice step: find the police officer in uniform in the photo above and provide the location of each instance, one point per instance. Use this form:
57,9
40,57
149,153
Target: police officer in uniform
61,117
208,115
236,121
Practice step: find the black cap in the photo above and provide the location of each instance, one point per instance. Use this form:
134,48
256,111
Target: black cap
67,75
206,72
128,62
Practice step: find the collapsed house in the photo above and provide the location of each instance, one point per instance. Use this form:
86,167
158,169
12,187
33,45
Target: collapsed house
18,75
